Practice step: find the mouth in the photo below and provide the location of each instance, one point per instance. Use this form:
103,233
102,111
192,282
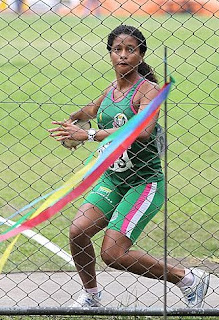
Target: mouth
122,64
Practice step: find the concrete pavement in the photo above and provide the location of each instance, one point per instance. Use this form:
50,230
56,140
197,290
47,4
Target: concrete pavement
120,289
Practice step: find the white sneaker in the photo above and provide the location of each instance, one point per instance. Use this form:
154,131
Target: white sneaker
87,300
194,295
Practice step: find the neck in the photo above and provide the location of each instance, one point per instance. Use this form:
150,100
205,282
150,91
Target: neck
124,82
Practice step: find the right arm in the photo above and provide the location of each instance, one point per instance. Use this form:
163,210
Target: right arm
68,130
87,112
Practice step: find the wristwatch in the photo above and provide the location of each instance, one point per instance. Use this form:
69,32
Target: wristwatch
91,134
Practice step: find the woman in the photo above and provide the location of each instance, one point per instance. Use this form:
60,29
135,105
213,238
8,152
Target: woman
131,191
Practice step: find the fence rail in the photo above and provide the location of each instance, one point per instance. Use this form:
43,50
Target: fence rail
108,311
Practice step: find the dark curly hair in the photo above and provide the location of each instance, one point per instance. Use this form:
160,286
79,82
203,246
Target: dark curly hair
144,69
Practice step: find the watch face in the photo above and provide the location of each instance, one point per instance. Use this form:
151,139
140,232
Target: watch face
92,132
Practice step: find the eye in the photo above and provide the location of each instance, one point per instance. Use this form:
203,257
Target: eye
131,50
116,49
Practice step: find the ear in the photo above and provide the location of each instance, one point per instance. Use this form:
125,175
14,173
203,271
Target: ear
141,58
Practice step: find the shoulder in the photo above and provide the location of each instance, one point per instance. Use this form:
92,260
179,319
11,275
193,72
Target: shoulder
146,90
105,93
109,88
146,86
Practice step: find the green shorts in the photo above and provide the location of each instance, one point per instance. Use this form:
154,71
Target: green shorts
128,209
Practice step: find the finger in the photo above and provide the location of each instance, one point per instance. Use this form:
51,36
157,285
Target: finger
57,129
61,134
63,138
61,123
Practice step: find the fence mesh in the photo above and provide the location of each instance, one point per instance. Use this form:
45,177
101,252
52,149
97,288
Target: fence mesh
53,62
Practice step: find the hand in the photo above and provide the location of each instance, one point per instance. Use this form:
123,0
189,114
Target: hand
67,130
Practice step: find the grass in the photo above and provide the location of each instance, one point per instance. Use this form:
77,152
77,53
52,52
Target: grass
51,66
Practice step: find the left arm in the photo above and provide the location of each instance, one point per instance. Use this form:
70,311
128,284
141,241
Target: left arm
146,93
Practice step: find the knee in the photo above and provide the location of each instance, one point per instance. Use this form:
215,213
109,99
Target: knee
73,232
112,257
76,235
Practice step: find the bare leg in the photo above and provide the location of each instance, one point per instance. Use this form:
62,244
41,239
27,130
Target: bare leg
116,254
88,221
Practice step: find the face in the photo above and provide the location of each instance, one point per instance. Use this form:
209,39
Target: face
125,54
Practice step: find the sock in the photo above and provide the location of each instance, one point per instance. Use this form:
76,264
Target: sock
92,290
187,280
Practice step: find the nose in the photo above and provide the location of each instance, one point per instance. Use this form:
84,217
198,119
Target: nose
123,54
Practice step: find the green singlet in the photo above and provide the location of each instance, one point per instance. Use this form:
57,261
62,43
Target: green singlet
131,191
141,161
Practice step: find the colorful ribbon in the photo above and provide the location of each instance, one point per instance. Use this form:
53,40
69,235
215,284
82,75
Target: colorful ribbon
125,136
29,205
34,202
54,195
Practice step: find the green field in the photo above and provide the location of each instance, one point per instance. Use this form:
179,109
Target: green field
51,66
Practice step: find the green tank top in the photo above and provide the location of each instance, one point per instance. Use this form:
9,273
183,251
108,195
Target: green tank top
141,162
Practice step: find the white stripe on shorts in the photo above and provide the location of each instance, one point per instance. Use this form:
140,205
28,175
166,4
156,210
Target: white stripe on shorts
142,209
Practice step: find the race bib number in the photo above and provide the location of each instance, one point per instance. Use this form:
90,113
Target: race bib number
120,165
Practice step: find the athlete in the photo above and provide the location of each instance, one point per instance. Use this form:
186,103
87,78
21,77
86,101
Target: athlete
131,191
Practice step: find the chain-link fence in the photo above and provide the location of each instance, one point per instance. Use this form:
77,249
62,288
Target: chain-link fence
53,62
